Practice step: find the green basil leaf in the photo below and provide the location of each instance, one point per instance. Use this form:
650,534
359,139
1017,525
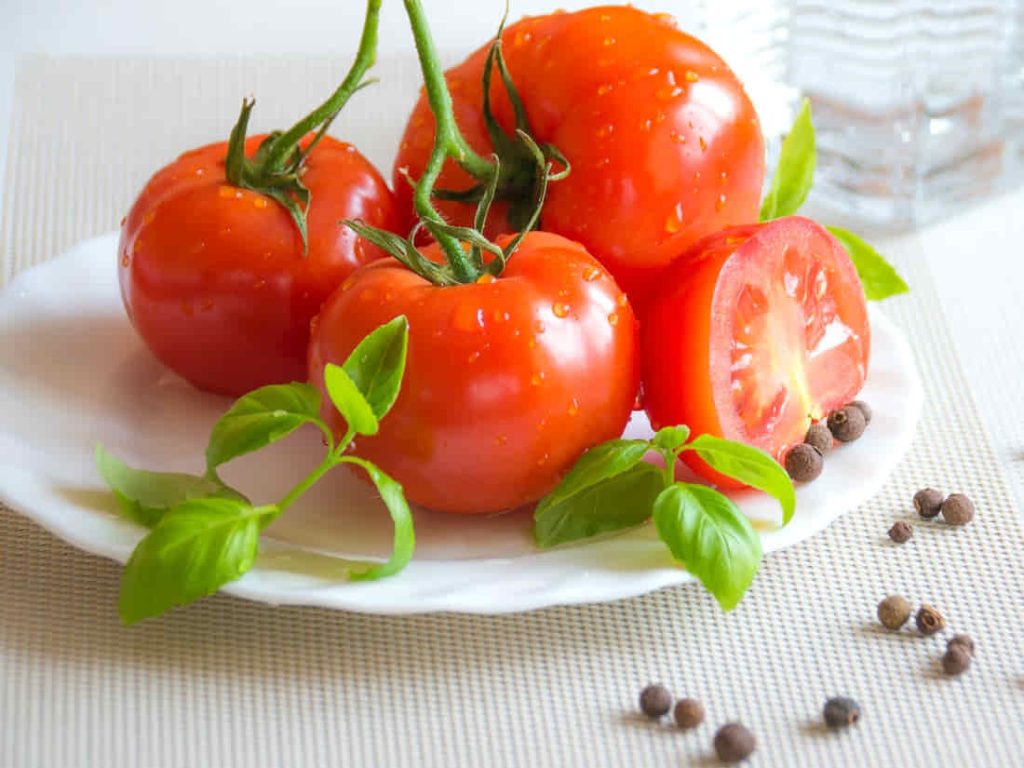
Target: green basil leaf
709,534
261,417
145,496
671,438
404,543
750,466
621,500
794,174
350,401
376,366
878,276
197,547
596,465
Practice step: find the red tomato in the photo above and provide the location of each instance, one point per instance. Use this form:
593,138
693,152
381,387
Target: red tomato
664,143
508,380
214,278
753,333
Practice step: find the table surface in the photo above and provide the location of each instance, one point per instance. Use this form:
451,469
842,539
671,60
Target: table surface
226,682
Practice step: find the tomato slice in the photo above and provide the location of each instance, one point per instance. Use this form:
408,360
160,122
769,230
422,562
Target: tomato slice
754,333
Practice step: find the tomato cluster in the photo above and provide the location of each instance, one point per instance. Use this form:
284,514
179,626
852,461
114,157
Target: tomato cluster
237,269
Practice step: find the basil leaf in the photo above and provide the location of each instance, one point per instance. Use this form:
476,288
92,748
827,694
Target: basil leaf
404,543
707,533
750,466
671,438
622,500
376,366
261,417
878,276
145,496
197,547
794,174
596,465
349,401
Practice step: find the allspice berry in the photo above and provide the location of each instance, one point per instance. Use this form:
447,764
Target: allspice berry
901,532
929,620
928,502
865,410
956,660
841,712
846,424
655,700
957,509
964,641
819,436
734,742
893,612
804,462
688,713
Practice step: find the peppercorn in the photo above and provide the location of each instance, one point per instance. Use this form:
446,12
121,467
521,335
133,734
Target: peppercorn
964,641
865,410
927,502
893,612
929,620
956,660
804,462
841,712
819,436
688,713
901,532
734,742
846,424
655,700
957,509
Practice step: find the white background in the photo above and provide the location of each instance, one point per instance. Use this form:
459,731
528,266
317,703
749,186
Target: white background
977,257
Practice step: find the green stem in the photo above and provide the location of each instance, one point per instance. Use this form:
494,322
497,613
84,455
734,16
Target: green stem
331,459
282,145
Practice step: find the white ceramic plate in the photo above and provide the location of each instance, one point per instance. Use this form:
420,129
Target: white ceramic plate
73,373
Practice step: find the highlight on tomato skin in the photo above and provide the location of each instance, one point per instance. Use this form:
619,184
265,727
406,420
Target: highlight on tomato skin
753,333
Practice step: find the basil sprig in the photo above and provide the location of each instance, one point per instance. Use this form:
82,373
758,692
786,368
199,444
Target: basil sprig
612,488
789,187
204,534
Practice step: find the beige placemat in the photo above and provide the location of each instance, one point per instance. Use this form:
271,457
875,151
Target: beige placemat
229,683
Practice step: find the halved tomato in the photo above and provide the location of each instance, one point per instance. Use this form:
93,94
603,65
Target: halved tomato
753,333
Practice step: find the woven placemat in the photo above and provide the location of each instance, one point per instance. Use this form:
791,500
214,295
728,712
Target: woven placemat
228,683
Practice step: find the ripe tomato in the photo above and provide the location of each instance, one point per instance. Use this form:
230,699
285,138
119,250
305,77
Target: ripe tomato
664,143
753,333
508,380
214,278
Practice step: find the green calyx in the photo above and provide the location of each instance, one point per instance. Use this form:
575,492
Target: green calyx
520,170
277,166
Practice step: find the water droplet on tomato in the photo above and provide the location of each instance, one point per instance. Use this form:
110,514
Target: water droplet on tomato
543,460
468,317
590,274
605,131
604,88
538,326
622,300
150,215
609,41
677,137
720,203
667,19
137,246
668,92
500,316
574,407
260,202
537,378
473,357
501,439
613,319
560,309
521,38
703,144
723,177
486,279
691,76
674,222
605,17
125,260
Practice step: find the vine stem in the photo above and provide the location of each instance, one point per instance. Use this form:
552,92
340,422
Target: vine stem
331,459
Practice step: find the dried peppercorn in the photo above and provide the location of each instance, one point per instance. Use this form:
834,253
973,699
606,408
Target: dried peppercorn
957,509
819,436
846,424
734,742
865,410
804,462
688,713
928,502
901,532
655,700
840,712
929,620
893,612
956,660
964,641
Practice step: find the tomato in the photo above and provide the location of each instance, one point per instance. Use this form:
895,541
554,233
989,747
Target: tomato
664,143
753,333
508,380
214,278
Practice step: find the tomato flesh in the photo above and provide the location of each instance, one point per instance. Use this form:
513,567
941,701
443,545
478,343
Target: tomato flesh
754,333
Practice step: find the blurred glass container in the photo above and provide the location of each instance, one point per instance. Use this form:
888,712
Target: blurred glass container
918,105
